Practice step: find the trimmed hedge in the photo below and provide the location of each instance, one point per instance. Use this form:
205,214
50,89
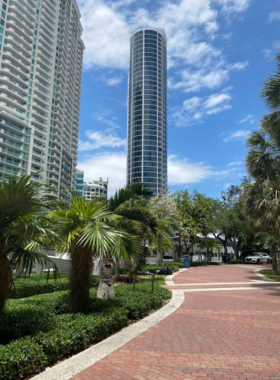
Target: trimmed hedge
202,263
174,265
234,261
52,333
29,355
24,289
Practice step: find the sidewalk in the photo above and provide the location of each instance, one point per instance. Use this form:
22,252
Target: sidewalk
222,330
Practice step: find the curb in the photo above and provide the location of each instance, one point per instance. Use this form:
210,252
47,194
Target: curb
257,272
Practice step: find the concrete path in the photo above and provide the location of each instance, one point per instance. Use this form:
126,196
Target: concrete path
228,327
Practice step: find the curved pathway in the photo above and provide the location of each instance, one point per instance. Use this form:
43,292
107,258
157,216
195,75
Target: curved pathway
227,327
231,331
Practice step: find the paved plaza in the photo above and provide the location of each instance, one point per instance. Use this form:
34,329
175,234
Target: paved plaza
219,332
223,323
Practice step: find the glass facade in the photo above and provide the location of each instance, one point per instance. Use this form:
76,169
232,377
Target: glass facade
147,110
41,55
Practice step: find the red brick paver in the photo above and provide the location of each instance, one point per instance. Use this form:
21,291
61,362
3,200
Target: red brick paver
215,335
221,273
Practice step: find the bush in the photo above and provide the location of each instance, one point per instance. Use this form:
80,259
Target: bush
22,321
175,265
55,334
234,261
28,355
198,263
28,287
203,263
20,359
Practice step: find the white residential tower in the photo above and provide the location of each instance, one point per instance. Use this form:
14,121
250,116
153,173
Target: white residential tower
147,110
40,83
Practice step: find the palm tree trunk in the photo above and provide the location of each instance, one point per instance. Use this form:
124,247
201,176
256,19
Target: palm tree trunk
129,273
116,265
159,257
81,270
106,287
5,276
274,265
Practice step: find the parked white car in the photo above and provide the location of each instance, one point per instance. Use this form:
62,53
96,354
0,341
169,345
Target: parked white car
258,258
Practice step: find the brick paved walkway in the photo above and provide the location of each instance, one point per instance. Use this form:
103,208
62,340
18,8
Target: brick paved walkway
214,335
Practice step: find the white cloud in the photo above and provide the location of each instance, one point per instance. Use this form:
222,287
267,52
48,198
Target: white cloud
238,66
183,172
111,165
190,26
195,80
180,170
106,35
237,135
267,53
215,99
106,117
274,16
248,119
99,140
197,109
216,110
234,6
192,103
112,81
271,52
236,163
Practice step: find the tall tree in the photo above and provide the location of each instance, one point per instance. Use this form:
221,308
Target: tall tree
195,214
164,209
263,159
131,203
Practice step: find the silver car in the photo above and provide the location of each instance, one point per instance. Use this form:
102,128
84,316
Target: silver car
258,258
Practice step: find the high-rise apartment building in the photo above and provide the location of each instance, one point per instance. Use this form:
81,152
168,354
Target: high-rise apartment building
41,55
91,190
147,110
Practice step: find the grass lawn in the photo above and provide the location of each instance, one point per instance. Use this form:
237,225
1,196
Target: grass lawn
269,274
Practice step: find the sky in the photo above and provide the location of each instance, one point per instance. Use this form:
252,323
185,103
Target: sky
220,52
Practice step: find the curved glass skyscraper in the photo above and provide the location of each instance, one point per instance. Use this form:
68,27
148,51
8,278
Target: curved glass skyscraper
147,110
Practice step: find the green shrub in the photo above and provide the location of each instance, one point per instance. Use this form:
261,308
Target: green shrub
55,334
235,261
21,321
199,264
203,263
20,359
29,287
174,265
28,355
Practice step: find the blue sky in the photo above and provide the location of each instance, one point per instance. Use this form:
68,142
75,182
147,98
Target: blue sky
219,54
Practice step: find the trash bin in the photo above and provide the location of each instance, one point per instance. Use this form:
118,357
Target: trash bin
186,260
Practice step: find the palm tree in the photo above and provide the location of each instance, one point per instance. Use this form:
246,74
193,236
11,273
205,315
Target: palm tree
88,231
263,161
23,226
210,245
131,204
262,202
164,210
